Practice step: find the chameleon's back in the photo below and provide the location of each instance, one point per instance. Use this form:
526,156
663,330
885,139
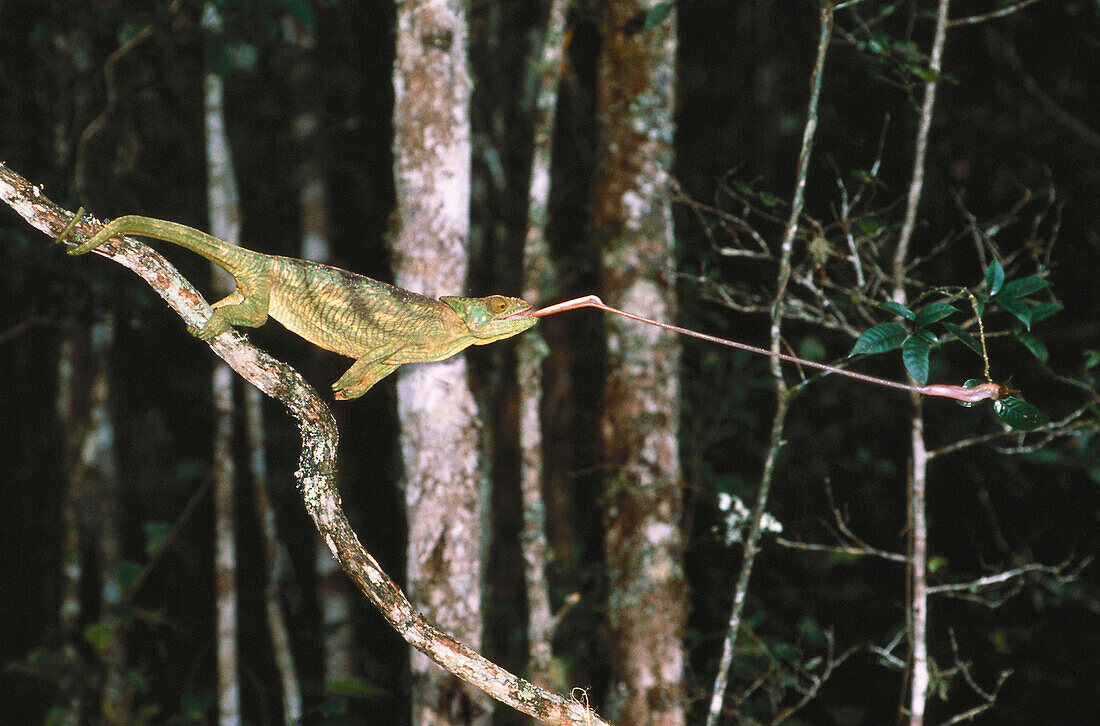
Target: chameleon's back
347,313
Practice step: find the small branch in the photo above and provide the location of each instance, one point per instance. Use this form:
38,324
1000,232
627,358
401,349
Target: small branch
842,549
993,15
972,589
317,465
23,326
988,697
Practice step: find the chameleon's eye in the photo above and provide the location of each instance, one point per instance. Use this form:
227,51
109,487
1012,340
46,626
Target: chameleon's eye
497,305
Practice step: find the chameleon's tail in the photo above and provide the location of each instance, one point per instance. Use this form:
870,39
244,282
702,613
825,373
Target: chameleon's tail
230,257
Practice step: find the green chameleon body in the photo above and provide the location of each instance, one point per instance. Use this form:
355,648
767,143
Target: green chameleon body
377,324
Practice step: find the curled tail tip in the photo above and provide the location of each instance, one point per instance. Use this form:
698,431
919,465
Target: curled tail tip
67,230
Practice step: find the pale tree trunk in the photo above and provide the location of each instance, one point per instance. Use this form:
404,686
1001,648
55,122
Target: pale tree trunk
92,496
275,557
439,420
72,502
224,211
642,503
99,456
539,284
917,611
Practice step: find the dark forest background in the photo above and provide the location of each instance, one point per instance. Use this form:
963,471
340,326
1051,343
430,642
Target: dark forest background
1015,135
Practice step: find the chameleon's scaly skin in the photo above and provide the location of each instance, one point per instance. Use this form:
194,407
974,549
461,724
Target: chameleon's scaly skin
379,325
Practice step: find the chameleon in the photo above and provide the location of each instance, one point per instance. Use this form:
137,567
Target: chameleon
380,325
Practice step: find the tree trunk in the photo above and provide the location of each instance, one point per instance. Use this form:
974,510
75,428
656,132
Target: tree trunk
438,415
539,283
224,211
642,502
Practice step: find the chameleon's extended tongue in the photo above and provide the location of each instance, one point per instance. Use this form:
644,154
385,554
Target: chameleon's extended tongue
580,302
980,392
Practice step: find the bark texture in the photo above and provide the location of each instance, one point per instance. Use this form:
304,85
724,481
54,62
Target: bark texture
642,503
438,415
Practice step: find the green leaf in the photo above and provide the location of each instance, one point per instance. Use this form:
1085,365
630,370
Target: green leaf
1017,413
880,338
898,309
155,535
968,340
301,11
1042,311
1092,358
1035,346
99,635
927,336
994,277
657,14
743,189
769,200
934,312
928,75
1022,288
128,572
811,348
914,353
354,687
1018,308
971,383
869,226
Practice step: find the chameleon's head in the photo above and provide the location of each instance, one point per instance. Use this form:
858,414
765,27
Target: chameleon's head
492,318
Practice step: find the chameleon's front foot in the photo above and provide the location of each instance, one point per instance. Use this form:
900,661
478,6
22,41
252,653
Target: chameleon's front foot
215,326
363,374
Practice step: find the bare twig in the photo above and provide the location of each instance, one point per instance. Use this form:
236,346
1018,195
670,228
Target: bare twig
992,15
100,121
989,697
842,549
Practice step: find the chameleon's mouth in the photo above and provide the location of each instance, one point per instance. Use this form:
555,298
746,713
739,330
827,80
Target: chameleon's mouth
525,313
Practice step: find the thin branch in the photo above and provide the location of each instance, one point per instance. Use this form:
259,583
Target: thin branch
816,681
100,121
842,550
988,697
317,465
992,15
918,472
